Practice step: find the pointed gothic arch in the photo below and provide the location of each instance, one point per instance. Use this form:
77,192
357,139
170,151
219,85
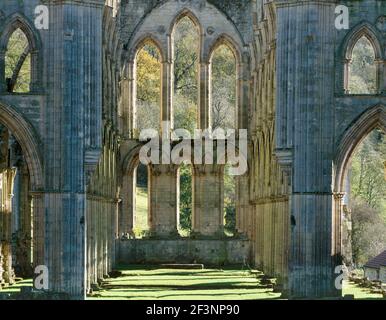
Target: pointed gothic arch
14,22
371,119
185,13
366,30
29,142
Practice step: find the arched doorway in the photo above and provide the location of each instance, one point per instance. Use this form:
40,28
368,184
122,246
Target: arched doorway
364,137
364,203
21,179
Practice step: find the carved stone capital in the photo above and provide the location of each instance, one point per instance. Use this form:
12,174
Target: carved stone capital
339,195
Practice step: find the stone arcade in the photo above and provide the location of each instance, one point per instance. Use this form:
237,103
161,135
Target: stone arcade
69,147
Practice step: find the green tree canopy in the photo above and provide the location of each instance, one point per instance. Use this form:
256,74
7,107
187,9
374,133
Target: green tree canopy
148,68
18,63
363,77
368,198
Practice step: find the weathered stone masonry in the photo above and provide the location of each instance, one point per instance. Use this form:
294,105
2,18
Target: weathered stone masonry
69,193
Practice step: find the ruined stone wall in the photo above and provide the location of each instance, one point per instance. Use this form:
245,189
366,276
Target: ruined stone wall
319,124
59,127
102,211
215,253
268,223
218,23
20,116
77,133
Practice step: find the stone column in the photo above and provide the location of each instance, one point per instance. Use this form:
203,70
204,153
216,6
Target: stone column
166,95
8,176
347,237
72,124
2,282
23,255
3,86
337,227
204,102
126,217
381,75
243,94
305,48
163,200
208,199
38,228
243,208
36,75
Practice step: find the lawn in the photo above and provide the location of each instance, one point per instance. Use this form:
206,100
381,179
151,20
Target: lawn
11,291
171,284
141,210
358,292
147,283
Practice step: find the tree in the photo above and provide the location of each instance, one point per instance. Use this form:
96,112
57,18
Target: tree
368,170
185,101
368,232
368,194
186,39
363,78
229,202
223,88
185,198
148,88
18,63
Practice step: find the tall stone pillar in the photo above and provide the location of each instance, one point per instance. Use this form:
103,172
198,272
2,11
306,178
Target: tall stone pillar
2,282
163,200
126,216
8,176
204,96
38,239
338,216
208,199
306,65
166,96
72,130
128,101
3,86
381,76
243,207
23,254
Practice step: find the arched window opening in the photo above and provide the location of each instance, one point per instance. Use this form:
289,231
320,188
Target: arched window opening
16,210
185,180
186,58
223,88
363,69
229,203
364,213
148,84
18,63
141,210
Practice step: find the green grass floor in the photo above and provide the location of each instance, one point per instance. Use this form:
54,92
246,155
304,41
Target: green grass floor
141,210
139,283
350,288
171,284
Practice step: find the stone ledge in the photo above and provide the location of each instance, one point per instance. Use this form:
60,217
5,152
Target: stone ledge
183,251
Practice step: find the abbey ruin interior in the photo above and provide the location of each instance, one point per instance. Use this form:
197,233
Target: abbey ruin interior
70,139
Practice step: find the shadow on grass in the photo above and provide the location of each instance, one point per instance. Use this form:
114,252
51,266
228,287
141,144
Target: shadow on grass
199,286
179,278
131,295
